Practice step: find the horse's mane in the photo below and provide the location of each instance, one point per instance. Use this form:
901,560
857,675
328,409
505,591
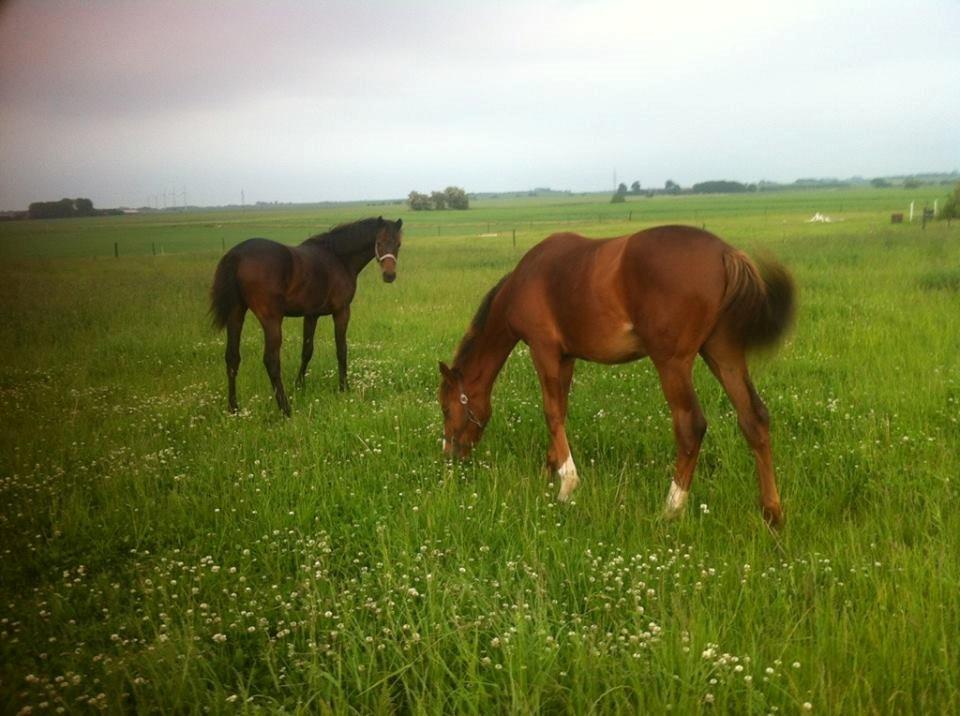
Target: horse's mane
478,322
346,239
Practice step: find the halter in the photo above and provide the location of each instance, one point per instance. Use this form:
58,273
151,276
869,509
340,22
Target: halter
381,259
471,416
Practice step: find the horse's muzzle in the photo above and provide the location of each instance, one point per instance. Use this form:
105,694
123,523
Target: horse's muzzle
388,268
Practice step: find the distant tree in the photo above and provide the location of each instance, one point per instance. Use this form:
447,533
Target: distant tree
671,187
720,187
880,183
63,209
456,198
618,198
418,201
912,184
439,200
622,189
951,207
635,188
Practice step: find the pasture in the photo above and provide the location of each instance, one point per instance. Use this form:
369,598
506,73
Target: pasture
160,554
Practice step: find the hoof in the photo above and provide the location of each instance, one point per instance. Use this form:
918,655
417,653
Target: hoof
567,485
773,516
569,479
676,502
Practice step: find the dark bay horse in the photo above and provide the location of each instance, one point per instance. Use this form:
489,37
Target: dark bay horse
316,278
669,293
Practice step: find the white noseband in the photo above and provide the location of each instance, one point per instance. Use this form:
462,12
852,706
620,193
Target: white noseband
381,259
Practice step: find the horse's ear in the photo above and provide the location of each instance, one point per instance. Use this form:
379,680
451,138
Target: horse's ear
399,223
379,221
447,372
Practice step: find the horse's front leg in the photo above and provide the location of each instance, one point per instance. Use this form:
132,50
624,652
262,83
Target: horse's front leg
556,373
309,328
340,321
273,338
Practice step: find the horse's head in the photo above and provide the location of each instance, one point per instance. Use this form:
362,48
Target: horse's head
464,415
387,247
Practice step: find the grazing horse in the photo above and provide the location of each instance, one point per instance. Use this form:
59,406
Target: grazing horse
668,293
316,278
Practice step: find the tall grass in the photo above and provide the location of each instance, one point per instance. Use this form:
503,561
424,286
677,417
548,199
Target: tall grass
162,555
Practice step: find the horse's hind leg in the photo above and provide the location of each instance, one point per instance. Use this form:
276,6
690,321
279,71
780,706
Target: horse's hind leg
273,338
309,328
689,427
232,354
728,363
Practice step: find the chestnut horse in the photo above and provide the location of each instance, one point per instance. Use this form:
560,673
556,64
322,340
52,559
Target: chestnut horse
668,293
316,278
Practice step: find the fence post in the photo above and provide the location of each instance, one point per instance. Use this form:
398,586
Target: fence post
630,216
514,238
116,250
153,247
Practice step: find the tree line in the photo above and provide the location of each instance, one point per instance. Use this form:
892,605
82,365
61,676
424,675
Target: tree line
453,197
60,209
66,209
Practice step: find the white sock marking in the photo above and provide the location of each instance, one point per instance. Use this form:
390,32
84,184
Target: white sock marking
568,479
676,500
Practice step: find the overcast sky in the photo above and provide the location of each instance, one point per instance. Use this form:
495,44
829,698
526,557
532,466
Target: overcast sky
121,101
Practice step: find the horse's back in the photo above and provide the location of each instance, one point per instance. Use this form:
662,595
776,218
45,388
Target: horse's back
675,259
611,300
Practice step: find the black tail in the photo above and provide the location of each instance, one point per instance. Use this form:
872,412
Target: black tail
760,301
225,292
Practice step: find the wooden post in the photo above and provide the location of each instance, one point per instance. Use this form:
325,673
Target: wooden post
116,250
153,247
630,216
514,238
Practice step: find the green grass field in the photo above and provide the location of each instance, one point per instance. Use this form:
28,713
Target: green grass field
161,555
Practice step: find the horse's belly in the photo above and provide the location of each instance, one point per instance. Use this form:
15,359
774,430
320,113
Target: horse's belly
620,346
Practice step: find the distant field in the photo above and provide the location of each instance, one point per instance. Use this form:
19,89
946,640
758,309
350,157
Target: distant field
162,555
173,232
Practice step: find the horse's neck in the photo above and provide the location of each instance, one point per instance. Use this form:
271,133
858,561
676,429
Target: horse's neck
358,260
491,347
